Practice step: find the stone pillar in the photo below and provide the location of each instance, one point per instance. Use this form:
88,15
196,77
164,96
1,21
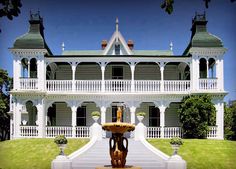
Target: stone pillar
162,109
220,73
103,114
41,119
132,114
17,119
16,73
28,69
132,67
219,105
207,66
41,73
103,67
73,120
73,67
194,72
162,67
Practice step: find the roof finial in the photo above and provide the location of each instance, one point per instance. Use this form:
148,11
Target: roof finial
171,45
117,24
63,46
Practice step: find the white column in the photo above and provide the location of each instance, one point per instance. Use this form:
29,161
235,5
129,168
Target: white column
28,69
220,73
194,68
41,73
73,67
41,119
17,119
220,119
207,66
73,121
16,73
103,67
162,67
132,114
132,67
162,109
103,114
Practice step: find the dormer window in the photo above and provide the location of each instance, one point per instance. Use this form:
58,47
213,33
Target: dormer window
117,49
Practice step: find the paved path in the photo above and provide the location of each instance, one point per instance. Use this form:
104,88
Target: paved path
98,155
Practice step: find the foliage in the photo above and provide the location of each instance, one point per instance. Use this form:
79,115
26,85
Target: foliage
176,141
202,154
60,139
196,113
141,114
34,153
230,121
96,113
233,108
5,85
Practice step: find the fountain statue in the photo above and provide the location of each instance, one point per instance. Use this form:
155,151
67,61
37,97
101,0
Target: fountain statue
118,143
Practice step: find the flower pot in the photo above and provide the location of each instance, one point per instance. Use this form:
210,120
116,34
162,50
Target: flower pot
95,118
62,148
175,147
140,118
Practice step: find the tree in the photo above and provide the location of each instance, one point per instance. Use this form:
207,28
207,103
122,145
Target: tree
167,5
228,121
233,109
5,85
196,113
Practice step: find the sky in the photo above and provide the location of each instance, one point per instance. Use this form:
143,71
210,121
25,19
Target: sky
83,24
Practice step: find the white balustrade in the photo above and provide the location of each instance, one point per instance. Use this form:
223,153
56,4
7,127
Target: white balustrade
82,132
28,83
177,85
53,131
153,132
59,85
170,132
212,132
28,131
88,85
147,85
118,85
208,84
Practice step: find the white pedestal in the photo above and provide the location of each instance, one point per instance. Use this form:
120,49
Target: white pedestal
176,162
61,162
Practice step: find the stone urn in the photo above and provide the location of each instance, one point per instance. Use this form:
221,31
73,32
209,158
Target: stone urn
95,115
62,148
61,142
175,147
95,118
140,118
176,142
24,122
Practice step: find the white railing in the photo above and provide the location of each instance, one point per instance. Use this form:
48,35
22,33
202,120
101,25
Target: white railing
59,85
207,84
170,132
153,132
28,131
82,132
118,85
88,85
177,85
212,132
53,131
28,83
147,85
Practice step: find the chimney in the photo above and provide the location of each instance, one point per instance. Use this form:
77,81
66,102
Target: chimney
130,44
104,44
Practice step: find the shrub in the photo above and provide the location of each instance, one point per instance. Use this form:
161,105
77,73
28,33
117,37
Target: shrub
196,113
60,139
95,113
141,114
176,141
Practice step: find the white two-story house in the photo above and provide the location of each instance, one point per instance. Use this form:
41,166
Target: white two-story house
55,94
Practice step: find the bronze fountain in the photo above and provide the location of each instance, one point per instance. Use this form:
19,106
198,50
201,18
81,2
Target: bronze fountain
118,151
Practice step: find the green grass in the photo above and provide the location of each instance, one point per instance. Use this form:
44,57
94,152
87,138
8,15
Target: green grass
203,154
33,153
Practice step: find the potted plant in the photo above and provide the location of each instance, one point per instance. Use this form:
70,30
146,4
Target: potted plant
140,116
61,142
95,115
176,142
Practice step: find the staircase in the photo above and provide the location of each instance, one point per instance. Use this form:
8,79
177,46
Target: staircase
98,155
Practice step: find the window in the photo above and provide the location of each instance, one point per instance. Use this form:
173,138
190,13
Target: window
117,72
117,49
81,116
154,116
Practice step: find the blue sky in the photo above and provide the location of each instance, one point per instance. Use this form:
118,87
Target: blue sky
81,25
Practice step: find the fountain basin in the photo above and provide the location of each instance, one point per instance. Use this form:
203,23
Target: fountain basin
118,127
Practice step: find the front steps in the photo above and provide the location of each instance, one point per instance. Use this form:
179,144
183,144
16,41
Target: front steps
98,155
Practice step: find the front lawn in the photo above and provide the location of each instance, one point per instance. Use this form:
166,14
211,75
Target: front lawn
33,153
202,154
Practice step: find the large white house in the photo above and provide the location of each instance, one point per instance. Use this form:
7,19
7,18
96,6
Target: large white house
55,94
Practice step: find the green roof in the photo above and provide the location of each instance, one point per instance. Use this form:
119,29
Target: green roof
135,52
34,38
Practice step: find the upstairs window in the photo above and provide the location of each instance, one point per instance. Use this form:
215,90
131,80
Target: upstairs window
117,49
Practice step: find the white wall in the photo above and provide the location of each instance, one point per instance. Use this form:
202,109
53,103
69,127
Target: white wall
63,114
86,72
171,115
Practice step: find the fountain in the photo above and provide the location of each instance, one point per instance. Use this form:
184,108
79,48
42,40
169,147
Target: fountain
118,150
